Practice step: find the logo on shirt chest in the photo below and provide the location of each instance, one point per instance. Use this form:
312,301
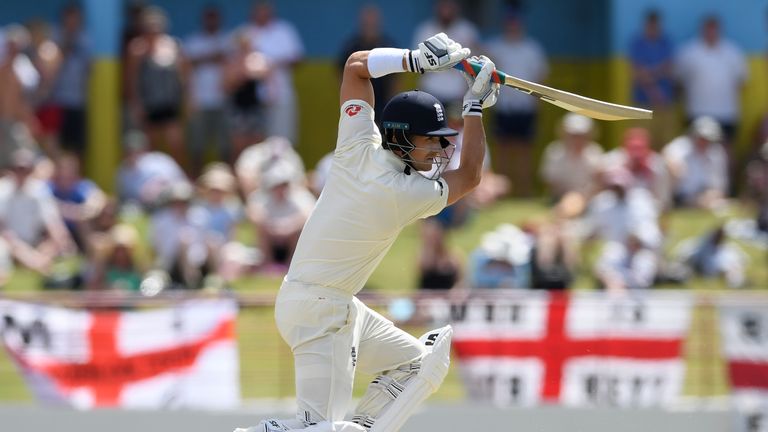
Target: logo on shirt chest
352,110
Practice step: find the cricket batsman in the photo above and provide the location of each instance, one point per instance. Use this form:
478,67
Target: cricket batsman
377,185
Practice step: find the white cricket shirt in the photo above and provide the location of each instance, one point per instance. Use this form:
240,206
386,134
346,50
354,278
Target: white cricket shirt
366,202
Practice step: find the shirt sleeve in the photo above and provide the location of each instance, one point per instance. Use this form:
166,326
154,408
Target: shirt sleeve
418,197
357,126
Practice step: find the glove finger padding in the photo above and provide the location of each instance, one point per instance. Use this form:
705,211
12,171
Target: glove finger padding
436,53
481,86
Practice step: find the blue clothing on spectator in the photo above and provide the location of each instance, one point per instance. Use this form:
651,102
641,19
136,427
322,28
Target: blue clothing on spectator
487,273
217,220
78,194
651,54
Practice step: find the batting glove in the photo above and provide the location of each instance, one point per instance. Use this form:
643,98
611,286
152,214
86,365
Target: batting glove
482,92
435,54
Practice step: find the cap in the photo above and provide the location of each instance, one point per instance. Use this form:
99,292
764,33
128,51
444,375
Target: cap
124,235
418,113
577,124
218,178
277,174
707,128
180,191
23,158
617,176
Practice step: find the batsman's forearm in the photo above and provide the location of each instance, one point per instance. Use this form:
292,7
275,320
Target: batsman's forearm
473,147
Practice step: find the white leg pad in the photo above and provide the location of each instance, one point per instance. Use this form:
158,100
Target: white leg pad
394,396
337,426
275,425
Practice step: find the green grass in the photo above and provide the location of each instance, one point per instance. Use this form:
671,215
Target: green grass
265,361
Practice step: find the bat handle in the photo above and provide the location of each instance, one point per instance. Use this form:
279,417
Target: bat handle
473,68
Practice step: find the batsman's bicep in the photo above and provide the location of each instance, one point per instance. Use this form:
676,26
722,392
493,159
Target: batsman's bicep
356,82
458,185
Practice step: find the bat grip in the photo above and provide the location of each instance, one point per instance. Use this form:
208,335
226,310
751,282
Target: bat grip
473,68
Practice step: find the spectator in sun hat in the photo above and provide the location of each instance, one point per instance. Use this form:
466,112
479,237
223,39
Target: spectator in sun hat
177,237
699,166
279,212
115,265
261,156
503,259
144,174
571,163
218,210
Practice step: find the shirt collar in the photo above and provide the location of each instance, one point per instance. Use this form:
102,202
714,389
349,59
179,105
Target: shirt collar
389,159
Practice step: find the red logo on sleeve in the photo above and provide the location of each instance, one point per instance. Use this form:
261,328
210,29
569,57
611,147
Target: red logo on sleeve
352,110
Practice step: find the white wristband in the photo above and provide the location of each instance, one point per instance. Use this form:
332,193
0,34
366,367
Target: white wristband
385,61
472,108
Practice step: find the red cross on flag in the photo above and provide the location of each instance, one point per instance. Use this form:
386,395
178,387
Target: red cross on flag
744,330
185,356
527,348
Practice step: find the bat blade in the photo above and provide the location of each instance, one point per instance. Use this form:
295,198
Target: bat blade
589,107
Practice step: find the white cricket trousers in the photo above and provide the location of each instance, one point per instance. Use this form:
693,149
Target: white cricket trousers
332,334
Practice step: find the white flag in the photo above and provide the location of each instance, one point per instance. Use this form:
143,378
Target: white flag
525,348
744,330
185,356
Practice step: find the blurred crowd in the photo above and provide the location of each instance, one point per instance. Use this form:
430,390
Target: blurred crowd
231,93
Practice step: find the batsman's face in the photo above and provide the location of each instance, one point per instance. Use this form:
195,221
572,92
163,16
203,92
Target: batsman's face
426,153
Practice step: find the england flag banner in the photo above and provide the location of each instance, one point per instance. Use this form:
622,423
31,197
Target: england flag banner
579,349
744,330
182,356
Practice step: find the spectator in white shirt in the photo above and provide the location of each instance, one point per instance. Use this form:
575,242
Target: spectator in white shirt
628,265
572,163
32,231
616,211
177,237
712,71
698,163
515,115
206,52
280,42
448,87
261,156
